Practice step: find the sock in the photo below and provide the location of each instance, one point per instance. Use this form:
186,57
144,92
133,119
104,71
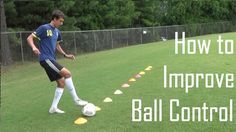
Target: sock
57,97
69,84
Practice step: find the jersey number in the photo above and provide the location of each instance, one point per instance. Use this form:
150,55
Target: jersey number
49,32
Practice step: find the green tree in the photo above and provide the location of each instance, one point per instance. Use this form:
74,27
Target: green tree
11,13
32,14
100,14
86,14
149,12
65,6
5,48
118,13
184,12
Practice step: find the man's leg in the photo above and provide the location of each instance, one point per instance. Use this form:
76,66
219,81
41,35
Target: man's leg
70,85
58,93
52,69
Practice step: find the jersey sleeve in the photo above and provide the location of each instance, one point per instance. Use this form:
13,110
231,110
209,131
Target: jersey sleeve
59,38
39,32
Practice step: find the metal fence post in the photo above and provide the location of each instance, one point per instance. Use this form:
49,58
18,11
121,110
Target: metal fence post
21,46
112,46
95,45
141,35
153,36
75,44
166,33
127,40
177,29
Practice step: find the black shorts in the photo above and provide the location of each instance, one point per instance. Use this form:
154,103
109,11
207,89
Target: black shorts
52,69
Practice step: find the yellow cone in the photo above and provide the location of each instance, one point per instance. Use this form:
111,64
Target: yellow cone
80,121
98,108
147,69
142,73
117,92
107,99
132,80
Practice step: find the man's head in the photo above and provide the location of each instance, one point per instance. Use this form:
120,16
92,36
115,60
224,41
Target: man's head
57,18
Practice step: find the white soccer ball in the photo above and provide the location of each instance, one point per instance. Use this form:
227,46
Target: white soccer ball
89,109
144,32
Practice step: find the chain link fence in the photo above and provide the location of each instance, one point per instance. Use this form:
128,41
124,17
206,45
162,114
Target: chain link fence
80,42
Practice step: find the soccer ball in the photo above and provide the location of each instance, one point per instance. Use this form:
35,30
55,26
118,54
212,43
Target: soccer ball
89,109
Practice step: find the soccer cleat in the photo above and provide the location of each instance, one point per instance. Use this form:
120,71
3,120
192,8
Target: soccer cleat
56,110
80,102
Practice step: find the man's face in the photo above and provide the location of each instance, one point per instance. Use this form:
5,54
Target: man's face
58,22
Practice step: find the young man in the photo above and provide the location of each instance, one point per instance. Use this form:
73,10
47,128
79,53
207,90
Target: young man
49,41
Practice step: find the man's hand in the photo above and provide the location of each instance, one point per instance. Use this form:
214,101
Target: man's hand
70,56
36,51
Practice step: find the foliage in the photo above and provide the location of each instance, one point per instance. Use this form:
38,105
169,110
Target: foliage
103,14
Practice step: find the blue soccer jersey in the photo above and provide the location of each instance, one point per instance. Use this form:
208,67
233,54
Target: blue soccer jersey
48,37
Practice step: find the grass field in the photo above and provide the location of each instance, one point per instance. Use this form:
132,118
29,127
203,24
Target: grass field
27,93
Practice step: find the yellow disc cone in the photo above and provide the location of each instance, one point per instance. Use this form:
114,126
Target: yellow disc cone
118,92
80,121
132,80
107,99
147,69
142,73
98,108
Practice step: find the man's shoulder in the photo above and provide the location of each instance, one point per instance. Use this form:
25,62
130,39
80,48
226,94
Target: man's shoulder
44,26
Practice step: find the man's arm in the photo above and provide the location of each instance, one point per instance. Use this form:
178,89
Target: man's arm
60,50
30,41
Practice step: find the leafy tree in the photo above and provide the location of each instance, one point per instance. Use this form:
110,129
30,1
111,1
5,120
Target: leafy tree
86,14
6,58
149,12
118,13
100,14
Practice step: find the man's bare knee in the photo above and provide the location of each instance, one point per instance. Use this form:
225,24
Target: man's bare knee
61,83
65,73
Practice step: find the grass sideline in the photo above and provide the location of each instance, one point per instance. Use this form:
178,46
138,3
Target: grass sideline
27,93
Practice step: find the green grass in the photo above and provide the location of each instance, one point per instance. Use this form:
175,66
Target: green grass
27,93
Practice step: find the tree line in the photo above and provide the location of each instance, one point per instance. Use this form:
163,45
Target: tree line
106,14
